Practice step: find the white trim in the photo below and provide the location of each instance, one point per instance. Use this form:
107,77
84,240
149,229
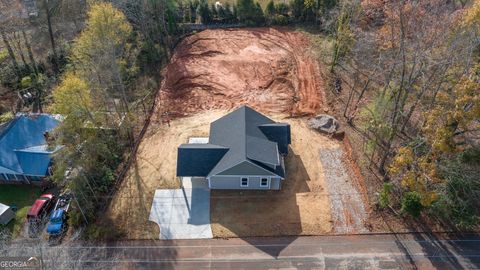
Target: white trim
241,182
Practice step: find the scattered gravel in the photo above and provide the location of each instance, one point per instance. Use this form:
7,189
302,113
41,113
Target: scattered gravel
347,207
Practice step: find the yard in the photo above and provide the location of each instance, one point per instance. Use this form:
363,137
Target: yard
21,196
154,168
302,207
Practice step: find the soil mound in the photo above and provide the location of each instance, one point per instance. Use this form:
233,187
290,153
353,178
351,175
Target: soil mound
269,69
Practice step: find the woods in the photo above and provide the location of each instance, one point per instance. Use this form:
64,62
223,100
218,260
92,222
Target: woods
413,92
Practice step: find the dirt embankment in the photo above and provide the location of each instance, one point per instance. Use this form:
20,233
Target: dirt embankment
268,69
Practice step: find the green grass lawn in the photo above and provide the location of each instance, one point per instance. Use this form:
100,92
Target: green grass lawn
23,197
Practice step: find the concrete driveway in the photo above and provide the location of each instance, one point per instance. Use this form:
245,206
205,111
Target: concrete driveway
183,213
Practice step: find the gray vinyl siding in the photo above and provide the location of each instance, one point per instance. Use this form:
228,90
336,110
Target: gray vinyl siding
276,183
233,182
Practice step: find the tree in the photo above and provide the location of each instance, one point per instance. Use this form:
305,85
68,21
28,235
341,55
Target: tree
412,75
229,14
48,8
99,52
72,97
344,38
270,9
250,13
93,138
298,9
204,12
213,11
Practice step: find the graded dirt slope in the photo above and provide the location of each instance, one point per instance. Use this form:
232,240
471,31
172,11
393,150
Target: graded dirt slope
269,69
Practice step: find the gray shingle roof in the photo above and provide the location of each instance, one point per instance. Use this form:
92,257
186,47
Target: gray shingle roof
250,140
198,159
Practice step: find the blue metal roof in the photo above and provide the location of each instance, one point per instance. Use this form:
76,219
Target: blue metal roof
23,146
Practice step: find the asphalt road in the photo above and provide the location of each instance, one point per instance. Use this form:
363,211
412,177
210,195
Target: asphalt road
401,251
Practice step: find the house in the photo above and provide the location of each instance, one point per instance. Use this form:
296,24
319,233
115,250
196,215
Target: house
245,150
24,154
6,214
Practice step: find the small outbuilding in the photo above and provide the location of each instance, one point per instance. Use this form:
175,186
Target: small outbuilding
6,214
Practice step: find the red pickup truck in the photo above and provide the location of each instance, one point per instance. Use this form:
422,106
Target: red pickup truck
37,214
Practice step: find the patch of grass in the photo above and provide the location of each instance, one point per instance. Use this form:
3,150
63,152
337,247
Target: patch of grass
22,197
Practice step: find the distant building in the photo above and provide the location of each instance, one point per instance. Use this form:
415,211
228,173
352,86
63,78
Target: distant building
31,7
6,214
24,153
245,151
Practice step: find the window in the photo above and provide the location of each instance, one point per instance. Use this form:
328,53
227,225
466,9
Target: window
244,182
264,182
11,177
3,177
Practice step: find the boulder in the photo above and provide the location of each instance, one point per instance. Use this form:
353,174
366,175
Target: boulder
326,124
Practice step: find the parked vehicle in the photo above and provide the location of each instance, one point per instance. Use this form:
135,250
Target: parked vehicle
38,212
58,219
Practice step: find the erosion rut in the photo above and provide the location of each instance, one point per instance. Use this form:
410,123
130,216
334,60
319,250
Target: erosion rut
266,68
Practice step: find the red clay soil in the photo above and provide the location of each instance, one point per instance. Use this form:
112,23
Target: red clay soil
269,69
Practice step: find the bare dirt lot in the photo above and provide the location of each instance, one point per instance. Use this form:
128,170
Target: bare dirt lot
266,68
211,73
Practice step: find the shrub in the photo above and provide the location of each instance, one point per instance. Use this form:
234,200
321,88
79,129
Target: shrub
471,156
26,82
411,203
280,20
5,117
384,197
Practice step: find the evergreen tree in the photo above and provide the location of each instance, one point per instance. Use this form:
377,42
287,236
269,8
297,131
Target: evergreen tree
249,12
282,9
270,9
298,9
204,12
214,11
230,17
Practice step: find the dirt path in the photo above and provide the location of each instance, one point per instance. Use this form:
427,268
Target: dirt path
269,69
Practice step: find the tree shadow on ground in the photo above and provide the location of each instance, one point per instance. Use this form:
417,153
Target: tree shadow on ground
442,250
253,213
451,251
130,208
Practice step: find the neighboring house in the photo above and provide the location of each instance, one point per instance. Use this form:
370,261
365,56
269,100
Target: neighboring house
24,154
6,214
245,151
